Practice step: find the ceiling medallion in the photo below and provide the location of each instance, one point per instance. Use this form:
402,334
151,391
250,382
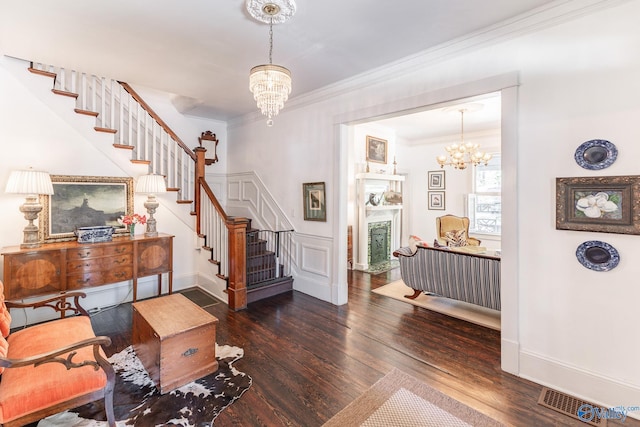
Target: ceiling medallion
266,10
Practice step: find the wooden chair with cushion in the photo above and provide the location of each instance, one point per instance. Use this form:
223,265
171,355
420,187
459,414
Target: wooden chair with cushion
53,366
453,224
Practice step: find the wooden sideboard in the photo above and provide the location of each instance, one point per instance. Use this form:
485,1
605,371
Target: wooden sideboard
65,266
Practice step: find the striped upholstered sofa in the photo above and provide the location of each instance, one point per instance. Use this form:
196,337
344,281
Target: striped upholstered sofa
469,277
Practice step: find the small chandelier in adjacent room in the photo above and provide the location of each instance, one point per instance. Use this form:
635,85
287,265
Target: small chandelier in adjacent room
269,83
461,155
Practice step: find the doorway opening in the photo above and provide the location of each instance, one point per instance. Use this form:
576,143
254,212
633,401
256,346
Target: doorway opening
412,141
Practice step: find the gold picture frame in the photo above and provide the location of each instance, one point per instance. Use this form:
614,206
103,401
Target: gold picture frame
84,201
377,150
608,204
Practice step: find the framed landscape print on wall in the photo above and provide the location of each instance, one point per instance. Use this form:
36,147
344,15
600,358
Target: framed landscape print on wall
376,150
313,196
84,201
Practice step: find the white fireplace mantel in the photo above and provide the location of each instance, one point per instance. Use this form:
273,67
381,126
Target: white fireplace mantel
367,183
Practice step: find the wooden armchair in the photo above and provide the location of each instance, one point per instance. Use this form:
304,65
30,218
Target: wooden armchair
53,366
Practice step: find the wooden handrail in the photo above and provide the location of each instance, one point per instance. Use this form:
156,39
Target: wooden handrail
236,235
157,118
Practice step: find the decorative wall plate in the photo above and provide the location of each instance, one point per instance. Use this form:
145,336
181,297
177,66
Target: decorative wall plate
596,154
597,256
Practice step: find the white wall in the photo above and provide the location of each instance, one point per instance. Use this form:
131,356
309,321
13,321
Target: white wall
39,129
568,327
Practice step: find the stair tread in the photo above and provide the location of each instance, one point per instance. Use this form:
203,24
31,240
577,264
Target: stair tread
261,254
64,93
42,72
86,112
271,282
106,130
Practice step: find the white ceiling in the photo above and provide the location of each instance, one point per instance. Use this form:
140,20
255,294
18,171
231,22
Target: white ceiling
202,50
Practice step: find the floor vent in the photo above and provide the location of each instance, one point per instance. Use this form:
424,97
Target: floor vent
569,405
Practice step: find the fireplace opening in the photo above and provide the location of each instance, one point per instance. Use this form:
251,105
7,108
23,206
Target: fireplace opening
379,242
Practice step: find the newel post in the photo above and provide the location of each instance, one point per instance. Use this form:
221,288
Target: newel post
199,173
237,291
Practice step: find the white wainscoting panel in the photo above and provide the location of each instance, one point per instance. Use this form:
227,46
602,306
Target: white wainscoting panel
312,265
233,190
250,193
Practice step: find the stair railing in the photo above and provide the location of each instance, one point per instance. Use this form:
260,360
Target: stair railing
281,244
119,110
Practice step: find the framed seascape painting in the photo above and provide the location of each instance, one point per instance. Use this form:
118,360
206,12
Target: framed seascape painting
84,201
313,196
609,204
376,150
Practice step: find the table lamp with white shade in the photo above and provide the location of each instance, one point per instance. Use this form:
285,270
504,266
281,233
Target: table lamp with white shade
32,183
151,184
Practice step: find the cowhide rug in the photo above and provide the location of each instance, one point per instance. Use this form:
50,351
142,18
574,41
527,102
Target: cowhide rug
137,402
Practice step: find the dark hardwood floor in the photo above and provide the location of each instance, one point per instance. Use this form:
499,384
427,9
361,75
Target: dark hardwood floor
309,359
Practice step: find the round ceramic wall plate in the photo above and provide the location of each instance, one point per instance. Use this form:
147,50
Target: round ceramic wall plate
596,154
597,256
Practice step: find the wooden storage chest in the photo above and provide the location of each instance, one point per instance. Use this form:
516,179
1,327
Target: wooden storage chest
175,340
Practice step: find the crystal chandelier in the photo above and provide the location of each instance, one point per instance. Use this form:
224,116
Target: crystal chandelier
461,155
269,83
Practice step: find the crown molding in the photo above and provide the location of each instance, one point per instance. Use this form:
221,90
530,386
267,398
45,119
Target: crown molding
537,19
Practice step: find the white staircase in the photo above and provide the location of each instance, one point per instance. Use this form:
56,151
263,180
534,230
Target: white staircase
135,127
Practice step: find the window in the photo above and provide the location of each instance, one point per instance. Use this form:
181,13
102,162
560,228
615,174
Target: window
484,206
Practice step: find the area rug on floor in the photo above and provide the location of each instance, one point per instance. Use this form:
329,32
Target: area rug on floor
137,402
471,313
382,267
400,400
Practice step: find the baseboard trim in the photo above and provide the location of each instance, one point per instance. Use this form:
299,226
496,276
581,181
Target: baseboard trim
510,356
578,382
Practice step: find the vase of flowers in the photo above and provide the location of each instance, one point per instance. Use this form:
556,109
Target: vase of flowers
131,221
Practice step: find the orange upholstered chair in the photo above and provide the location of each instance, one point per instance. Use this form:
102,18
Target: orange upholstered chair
53,366
452,223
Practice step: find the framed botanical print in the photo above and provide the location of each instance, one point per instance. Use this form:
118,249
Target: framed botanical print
609,204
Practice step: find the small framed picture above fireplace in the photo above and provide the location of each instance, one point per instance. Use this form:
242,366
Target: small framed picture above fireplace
376,150
315,206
